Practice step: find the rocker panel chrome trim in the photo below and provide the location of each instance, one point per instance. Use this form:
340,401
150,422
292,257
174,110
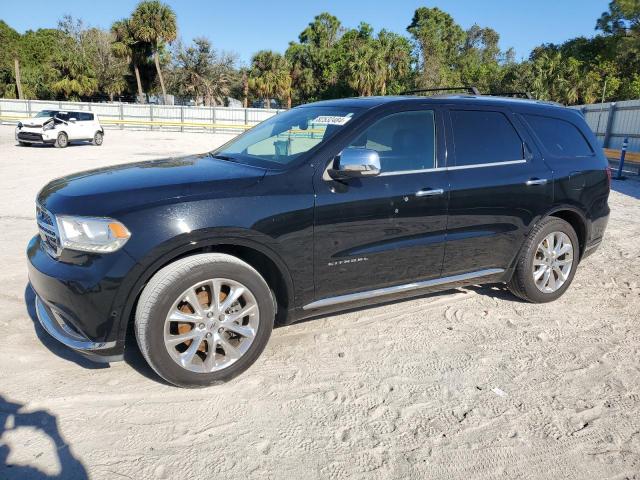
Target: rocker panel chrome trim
352,297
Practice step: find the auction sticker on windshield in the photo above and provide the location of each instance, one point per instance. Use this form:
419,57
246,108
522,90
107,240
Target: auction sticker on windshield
331,120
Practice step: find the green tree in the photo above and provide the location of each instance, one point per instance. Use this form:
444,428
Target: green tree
398,62
126,46
9,58
202,72
364,64
109,69
314,60
76,77
154,22
438,41
269,77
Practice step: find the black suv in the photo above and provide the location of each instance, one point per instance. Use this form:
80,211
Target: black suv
324,207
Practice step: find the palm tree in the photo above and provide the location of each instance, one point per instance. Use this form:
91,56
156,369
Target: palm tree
126,46
269,76
155,22
203,72
366,70
245,88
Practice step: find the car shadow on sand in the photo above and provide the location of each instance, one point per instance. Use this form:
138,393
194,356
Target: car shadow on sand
13,418
630,186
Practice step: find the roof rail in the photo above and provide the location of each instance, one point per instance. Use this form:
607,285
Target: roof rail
471,90
511,94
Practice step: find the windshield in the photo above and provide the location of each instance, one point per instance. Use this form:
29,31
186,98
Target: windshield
281,139
46,113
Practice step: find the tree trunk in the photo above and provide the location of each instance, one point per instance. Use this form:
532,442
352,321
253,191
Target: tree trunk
245,90
18,79
289,101
156,58
140,93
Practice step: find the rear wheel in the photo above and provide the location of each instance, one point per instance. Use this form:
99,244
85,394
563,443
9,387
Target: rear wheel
62,141
204,319
98,138
547,263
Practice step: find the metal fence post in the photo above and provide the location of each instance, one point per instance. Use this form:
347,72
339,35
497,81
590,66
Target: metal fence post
246,116
181,118
151,116
121,116
623,153
213,119
29,108
607,132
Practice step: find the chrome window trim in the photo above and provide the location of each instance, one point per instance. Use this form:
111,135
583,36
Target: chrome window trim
455,167
408,287
483,165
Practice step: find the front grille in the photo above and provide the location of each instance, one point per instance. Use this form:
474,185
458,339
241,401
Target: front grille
36,137
48,231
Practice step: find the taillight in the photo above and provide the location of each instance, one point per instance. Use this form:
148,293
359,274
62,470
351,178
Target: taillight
608,170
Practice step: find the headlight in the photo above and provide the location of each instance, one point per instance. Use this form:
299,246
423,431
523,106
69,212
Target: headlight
96,235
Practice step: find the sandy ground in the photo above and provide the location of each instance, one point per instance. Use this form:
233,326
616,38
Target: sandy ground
467,384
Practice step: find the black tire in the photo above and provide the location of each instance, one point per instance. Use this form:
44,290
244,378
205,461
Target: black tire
62,141
98,138
522,283
167,285
24,144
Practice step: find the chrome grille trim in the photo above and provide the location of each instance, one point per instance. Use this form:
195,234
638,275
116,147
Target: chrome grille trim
48,231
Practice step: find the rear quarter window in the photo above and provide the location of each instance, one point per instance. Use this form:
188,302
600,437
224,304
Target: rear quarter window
559,137
84,117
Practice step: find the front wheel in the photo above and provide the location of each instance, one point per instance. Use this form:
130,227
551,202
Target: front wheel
62,141
98,138
547,263
204,319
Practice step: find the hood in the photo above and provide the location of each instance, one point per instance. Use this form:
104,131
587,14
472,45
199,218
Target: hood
103,191
36,122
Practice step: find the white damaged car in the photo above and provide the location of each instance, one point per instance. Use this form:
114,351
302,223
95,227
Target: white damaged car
59,128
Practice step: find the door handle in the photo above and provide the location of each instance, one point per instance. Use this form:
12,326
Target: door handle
429,192
536,181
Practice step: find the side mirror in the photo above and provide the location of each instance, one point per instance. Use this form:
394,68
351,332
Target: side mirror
72,120
356,162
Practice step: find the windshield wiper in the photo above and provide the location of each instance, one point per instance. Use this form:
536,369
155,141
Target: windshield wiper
223,157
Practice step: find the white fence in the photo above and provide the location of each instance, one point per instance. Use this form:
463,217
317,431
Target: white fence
146,116
613,122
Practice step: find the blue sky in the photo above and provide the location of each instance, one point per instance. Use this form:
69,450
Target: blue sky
245,26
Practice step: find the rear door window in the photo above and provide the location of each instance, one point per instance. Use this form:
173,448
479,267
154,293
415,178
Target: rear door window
482,137
85,117
559,137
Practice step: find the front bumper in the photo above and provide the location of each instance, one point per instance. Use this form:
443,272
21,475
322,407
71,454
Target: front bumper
54,324
77,299
35,137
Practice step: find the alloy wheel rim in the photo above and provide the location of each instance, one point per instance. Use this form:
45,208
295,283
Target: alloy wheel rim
552,262
211,325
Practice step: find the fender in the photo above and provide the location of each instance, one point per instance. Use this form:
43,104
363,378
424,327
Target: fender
177,247
532,225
